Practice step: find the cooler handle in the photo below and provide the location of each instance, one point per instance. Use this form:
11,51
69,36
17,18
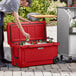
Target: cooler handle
17,53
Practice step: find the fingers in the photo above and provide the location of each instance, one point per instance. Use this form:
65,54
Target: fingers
27,36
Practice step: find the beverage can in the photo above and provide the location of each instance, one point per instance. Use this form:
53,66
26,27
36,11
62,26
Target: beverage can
31,42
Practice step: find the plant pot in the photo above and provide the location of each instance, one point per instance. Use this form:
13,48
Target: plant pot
74,29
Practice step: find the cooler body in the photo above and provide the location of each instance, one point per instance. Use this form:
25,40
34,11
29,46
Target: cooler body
34,54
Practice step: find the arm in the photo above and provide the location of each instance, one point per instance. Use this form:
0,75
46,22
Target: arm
15,14
23,19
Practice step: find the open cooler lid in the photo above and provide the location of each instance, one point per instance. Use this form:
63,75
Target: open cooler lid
37,31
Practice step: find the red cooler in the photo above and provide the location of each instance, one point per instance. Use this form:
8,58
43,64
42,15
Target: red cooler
34,54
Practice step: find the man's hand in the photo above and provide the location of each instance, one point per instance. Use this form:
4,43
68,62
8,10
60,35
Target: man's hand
26,35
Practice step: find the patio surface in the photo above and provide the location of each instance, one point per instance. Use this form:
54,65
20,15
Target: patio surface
60,69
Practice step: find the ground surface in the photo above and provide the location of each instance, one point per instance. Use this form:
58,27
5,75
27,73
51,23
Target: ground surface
60,69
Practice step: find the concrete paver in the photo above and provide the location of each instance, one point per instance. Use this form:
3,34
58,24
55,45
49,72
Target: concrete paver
61,69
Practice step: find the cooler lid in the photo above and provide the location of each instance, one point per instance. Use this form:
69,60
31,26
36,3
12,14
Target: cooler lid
37,31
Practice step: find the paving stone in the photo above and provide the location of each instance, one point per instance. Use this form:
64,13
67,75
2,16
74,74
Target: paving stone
1,73
68,65
39,67
17,73
73,74
8,73
56,74
4,68
32,68
72,65
28,73
63,66
46,73
72,69
38,73
14,68
47,67
55,66
65,74
11,69
24,69
64,70
54,70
